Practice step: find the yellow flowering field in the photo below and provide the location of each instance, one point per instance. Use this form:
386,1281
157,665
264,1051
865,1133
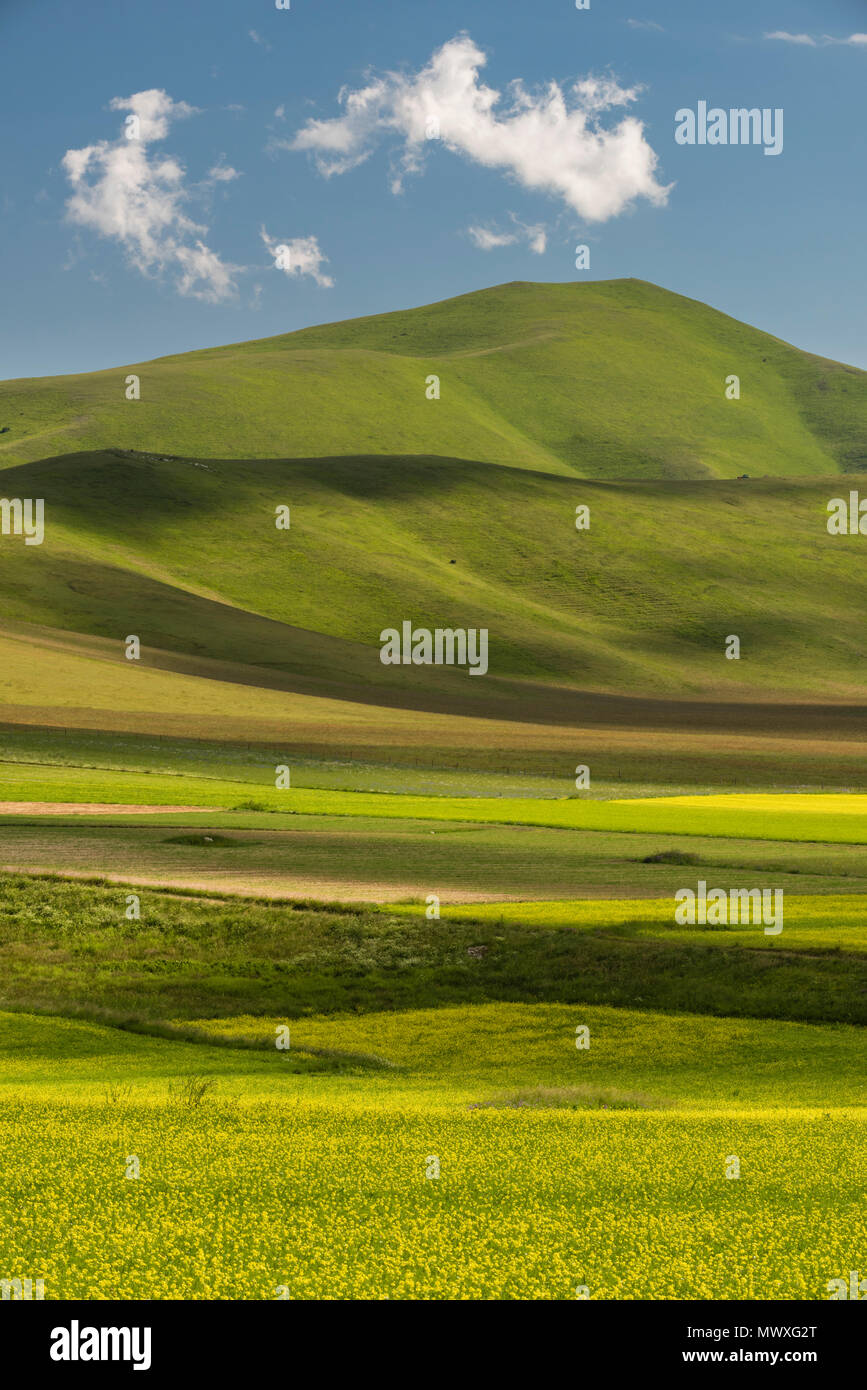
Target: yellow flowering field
124,1176
246,1200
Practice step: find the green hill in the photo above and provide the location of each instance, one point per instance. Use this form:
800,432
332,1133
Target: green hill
609,379
457,512
187,556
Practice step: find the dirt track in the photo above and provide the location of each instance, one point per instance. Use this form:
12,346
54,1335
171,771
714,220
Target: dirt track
284,887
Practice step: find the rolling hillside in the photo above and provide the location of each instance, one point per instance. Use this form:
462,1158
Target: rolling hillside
187,556
457,512
609,379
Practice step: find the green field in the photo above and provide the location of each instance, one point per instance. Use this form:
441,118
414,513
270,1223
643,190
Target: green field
372,860
69,946
445,1046
811,817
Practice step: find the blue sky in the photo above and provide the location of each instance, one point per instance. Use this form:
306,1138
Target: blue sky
253,200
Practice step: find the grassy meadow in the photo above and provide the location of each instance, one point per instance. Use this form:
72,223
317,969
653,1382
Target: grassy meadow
423,1024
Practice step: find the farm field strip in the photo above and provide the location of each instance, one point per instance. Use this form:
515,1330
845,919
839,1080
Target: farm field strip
840,818
375,859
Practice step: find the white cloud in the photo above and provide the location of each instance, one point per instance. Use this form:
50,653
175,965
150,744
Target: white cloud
301,256
154,111
200,264
257,38
486,239
792,38
122,191
223,173
823,41
489,241
601,93
645,24
548,140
